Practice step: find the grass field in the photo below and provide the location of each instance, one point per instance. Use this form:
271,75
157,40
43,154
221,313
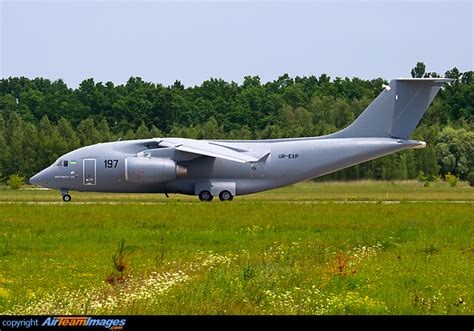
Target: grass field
311,248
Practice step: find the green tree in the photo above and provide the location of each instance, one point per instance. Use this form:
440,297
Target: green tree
129,135
68,136
34,156
271,132
15,140
243,133
4,148
104,130
211,130
48,119
87,133
142,132
155,132
323,116
428,161
456,148
342,113
297,121
453,73
419,70
49,142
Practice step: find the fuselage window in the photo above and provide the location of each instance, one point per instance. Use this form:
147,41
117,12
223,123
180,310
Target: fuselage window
65,163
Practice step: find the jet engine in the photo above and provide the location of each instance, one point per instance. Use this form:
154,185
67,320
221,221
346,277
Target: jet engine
149,170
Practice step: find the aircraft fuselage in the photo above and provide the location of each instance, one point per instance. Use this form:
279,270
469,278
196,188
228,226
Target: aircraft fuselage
103,167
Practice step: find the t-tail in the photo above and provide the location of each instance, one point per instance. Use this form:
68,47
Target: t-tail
396,111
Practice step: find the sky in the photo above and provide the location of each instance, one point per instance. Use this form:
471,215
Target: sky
192,41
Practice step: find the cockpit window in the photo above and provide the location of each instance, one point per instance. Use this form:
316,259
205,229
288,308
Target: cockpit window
64,163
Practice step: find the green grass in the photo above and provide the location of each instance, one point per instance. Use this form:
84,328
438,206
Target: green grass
259,254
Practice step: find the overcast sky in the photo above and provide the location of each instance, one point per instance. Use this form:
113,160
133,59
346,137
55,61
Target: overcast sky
193,41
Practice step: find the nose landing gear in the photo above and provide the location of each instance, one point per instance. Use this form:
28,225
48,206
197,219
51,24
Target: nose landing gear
66,196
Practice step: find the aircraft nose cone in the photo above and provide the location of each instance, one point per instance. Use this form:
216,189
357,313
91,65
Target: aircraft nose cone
35,180
38,179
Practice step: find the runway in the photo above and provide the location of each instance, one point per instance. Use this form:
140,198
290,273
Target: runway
387,202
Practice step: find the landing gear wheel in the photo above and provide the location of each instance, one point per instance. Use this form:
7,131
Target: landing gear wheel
225,196
66,198
205,196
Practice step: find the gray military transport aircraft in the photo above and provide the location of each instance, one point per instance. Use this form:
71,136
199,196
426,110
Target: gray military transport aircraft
227,168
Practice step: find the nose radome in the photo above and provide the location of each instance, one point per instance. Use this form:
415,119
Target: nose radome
35,180
40,178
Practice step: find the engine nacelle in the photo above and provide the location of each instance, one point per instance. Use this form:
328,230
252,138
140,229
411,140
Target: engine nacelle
145,170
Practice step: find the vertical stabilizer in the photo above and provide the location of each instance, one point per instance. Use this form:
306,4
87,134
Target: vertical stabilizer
396,111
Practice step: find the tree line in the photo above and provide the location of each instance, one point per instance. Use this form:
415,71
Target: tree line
42,119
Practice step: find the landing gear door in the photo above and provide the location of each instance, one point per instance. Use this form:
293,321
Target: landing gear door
89,171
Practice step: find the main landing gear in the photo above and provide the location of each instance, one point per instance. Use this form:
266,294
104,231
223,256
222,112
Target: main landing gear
223,196
66,196
205,196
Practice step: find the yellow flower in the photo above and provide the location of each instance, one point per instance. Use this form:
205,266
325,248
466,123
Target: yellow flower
5,280
4,293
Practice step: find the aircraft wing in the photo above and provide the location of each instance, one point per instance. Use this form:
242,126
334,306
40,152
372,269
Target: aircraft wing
208,148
